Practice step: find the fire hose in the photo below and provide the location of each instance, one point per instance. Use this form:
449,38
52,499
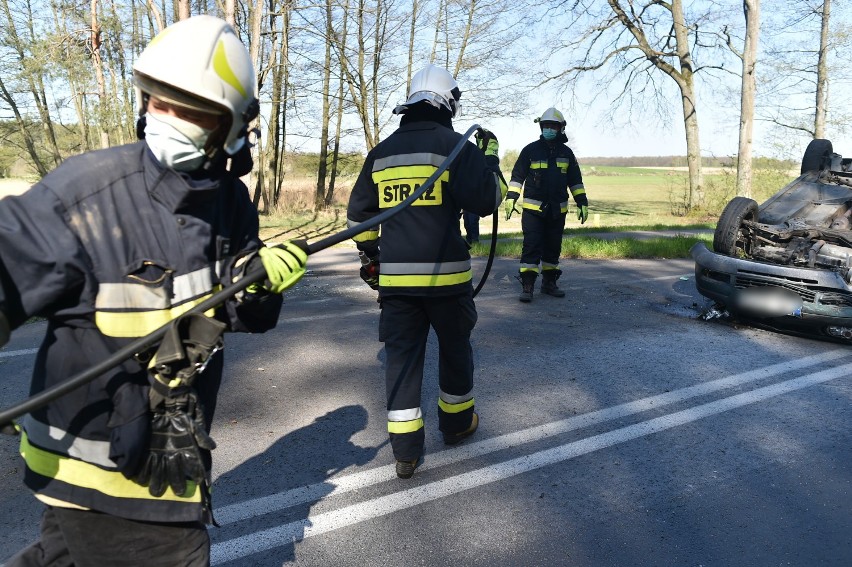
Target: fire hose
141,344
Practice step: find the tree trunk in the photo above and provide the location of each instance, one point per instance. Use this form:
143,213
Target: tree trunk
465,37
415,8
329,196
255,52
182,10
751,11
690,113
98,66
230,9
24,130
34,79
322,166
822,74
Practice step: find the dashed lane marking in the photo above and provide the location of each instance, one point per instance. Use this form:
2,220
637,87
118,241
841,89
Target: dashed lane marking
325,522
334,486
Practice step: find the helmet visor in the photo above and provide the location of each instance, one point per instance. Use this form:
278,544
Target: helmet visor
175,96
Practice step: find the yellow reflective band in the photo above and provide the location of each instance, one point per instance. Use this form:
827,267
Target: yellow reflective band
538,165
531,206
223,68
425,280
85,475
401,172
395,184
394,192
366,236
140,323
454,408
405,426
578,191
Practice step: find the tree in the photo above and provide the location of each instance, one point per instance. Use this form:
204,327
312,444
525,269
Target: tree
632,43
799,70
19,37
748,57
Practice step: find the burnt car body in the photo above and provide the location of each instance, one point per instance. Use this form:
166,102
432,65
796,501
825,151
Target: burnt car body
786,264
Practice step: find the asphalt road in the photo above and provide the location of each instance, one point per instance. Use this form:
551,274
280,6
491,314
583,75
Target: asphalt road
618,428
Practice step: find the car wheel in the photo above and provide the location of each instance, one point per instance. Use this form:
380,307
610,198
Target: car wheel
815,155
729,236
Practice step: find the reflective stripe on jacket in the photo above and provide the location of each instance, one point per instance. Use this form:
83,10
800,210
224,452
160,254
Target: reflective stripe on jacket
422,249
109,247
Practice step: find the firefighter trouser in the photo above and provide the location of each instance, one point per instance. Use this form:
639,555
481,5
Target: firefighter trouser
404,327
84,537
542,239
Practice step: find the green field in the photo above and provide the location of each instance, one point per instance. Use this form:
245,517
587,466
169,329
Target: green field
620,198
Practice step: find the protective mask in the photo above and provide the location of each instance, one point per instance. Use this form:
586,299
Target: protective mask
548,133
175,142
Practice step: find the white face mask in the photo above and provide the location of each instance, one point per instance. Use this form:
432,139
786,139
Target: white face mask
175,142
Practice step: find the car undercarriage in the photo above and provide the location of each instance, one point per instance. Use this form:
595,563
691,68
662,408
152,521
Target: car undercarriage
796,246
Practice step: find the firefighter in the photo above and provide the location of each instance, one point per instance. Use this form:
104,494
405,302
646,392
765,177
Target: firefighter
471,227
110,246
422,266
545,171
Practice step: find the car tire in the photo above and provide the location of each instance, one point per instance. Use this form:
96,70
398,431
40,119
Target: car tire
729,236
815,155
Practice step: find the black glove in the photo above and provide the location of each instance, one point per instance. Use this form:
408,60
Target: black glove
177,436
369,269
178,432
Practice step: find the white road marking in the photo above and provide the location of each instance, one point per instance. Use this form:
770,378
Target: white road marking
11,353
334,486
349,515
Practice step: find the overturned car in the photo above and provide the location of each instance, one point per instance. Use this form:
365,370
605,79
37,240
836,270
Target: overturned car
786,264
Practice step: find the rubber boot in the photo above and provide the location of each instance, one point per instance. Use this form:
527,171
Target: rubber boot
528,284
548,283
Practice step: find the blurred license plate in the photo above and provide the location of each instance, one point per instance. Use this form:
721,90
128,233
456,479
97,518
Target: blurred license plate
768,302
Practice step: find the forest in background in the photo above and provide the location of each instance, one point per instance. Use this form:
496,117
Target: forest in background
329,73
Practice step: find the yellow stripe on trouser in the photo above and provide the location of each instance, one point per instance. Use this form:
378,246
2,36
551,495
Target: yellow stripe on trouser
85,475
405,426
455,408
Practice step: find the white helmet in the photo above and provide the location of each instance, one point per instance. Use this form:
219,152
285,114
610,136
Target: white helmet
200,63
434,85
552,115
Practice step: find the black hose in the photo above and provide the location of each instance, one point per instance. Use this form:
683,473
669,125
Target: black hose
490,260
143,343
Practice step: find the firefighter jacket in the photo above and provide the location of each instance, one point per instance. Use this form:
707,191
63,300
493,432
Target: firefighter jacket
546,171
422,250
109,247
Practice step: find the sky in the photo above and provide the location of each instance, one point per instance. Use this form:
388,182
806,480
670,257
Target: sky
589,136
718,115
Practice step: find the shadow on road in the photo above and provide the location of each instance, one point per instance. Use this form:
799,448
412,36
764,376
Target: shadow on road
286,466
